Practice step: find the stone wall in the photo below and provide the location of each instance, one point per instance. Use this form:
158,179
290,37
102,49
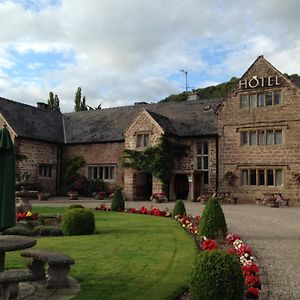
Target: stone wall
99,154
36,153
233,119
144,124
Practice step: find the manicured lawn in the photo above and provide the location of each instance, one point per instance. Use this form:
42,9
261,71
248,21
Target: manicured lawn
132,257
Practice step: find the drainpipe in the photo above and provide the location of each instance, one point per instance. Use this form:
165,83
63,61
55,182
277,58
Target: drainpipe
217,163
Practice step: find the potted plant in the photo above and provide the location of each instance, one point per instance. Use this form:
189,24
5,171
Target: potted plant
73,195
230,178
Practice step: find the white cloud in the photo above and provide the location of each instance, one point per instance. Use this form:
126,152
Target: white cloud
131,50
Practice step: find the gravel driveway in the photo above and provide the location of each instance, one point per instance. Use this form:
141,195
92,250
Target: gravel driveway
273,233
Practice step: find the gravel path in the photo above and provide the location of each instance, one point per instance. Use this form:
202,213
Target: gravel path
274,234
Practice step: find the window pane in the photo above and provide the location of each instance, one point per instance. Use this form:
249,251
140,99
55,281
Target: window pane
261,137
205,177
261,177
199,148
205,147
252,177
244,177
270,137
277,98
270,177
252,135
278,177
112,172
100,173
278,137
268,98
205,163
95,173
50,171
146,140
139,141
244,138
260,101
90,173
199,163
252,100
244,101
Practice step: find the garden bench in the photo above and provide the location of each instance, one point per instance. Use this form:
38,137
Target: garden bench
9,280
58,266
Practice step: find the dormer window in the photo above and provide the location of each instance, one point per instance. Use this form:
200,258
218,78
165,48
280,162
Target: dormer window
142,140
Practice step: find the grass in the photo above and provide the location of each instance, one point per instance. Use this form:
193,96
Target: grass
132,257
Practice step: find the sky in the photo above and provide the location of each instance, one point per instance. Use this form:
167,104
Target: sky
125,51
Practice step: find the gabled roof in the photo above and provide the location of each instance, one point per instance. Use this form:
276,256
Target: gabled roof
186,118
31,122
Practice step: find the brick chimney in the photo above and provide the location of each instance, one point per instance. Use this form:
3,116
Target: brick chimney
42,105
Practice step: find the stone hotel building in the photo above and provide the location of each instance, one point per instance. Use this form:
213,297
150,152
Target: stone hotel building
253,135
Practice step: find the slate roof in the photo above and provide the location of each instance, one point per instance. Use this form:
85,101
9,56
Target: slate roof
186,118
32,122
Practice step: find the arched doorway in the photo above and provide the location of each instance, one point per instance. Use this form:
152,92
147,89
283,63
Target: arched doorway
181,186
143,186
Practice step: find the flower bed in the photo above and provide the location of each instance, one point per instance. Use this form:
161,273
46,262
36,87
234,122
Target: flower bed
27,216
233,245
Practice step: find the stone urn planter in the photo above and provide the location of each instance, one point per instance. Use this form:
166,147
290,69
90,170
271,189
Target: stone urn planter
23,197
73,195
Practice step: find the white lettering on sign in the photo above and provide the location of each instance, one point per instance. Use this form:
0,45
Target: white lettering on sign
255,82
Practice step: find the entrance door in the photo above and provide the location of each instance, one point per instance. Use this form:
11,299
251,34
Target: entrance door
143,186
181,186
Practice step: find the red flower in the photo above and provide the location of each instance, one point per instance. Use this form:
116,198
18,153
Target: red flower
252,280
250,270
144,210
209,245
244,248
231,238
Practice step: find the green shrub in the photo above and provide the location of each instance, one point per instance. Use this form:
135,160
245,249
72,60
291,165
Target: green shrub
78,221
212,223
43,230
179,208
72,206
216,275
117,203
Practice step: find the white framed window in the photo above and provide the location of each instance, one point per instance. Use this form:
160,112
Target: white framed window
261,177
45,170
261,137
142,140
202,160
104,172
268,98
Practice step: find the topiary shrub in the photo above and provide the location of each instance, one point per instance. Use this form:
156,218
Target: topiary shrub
117,203
78,221
217,275
179,208
212,223
75,206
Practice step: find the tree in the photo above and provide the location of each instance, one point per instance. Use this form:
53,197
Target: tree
80,104
53,102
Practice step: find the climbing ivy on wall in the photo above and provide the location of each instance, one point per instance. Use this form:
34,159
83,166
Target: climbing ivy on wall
157,160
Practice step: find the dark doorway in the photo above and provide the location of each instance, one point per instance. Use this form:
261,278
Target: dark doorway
181,186
143,186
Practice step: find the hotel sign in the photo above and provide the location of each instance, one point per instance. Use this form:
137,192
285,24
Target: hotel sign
257,82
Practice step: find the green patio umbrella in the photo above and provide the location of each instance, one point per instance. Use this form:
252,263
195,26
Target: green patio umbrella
7,181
